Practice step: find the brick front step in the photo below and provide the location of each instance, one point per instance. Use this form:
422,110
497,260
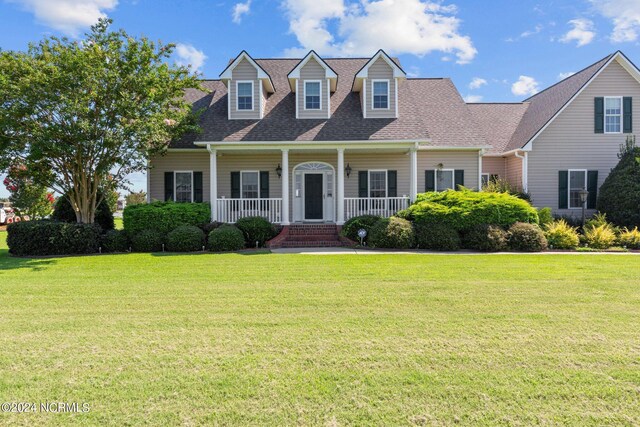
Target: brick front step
308,235
314,244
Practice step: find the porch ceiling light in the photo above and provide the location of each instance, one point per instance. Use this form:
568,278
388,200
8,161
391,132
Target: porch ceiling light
347,170
279,171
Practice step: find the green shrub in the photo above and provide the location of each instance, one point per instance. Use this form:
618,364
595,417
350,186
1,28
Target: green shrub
226,238
619,195
147,241
596,221
486,238
29,238
525,237
437,237
256,229
601,236
186,238
63,212
115,241
392,233
503,186
351,227
573,221
545,217
163,217
629,238
464,209
561,235
209,227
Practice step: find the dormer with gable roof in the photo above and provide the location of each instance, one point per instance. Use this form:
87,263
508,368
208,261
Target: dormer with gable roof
313,81
378,81
248,86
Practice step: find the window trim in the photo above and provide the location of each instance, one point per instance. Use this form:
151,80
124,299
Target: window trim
242,191
586,185
386,183
453,179
482,175
253,95
373,94
304,98
175,186
614,115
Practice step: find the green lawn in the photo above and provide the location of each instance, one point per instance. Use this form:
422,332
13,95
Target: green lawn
323,340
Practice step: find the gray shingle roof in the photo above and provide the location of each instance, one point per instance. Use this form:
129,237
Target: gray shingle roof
498,122
429,109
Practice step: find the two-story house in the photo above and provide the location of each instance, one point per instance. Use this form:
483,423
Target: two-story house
322,140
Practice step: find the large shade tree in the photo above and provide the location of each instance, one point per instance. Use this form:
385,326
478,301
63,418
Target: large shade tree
81,115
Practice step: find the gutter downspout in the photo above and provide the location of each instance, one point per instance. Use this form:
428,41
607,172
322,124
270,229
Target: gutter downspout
525,170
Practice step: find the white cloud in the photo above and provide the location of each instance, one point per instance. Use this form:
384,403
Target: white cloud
68,16
525,86
473,98
190,56
399,26
533,32
477,83
582,32
625,15
563,76
241,9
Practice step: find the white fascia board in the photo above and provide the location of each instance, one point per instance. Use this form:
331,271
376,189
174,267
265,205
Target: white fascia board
397,71
328,72
226,75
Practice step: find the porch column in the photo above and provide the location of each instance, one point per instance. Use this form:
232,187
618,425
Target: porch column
413,174
340,184
285,187
213,182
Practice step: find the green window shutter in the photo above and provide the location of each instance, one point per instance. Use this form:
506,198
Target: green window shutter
264,184
563,189
235,185
168,186
592,188
627,109
458,178
363,184
392,184
197,187
599,115
430,180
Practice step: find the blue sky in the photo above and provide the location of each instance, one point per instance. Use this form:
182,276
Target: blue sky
498,50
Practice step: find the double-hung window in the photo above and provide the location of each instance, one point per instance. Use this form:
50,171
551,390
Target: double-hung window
245,96
577,183
613,115
444,180
250,184
183,187
378,183
380,94
312,93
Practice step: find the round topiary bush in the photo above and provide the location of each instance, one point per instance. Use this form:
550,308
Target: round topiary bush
63,212
560,235
226,238
147,241
115,241
392,233
351,227
525,237
437,237
186,238
486,238
256,229
209,227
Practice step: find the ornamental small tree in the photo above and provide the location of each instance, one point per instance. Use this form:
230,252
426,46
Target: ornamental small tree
27,198
82,115
136,198
619,196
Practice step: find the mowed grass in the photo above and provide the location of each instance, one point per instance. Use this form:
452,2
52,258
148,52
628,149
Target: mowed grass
323,340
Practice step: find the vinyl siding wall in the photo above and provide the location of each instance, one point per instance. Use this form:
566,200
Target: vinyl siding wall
312,70
380,70
570,142
245,71
466,160
513,170
198,161
494,166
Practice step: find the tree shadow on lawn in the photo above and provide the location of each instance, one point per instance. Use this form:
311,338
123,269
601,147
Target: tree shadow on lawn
8,262
242,252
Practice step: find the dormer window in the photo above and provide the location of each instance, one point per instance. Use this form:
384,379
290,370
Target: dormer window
245,95
312,95
380,94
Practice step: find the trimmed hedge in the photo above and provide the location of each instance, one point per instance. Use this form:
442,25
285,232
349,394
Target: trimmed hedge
147,241
437,237
32,238
256,229
226,238
525,237
462,210
351,227
115,241
486,238
63,212
164,217
392,233
186,238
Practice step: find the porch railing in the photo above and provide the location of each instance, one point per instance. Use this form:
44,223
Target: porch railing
231,210
380,206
